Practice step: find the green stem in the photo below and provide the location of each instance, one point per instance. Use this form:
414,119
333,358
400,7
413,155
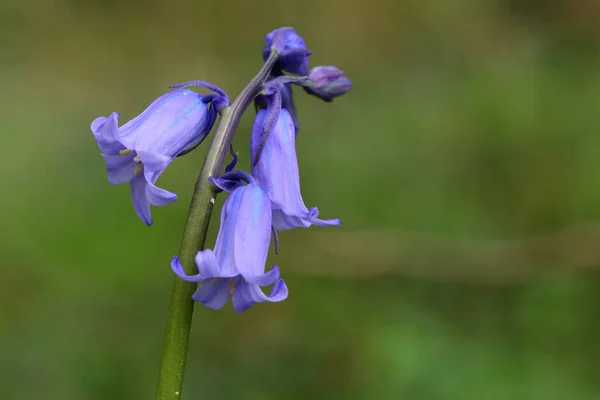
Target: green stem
177,331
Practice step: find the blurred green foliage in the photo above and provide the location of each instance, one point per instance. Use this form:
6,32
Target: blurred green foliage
468,120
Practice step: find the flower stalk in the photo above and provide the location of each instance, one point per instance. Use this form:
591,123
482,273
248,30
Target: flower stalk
177,331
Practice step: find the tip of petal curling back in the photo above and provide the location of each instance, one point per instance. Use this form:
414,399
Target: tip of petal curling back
312,218
97,124
279,292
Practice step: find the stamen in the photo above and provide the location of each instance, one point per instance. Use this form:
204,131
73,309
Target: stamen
231,287
212,282
275,239
138,169
137,159
125,152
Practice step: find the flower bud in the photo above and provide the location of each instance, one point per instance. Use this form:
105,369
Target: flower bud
327,82
293,55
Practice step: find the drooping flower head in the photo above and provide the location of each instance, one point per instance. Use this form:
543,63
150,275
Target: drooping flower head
276,171
140,150
292,49
235,268
327,82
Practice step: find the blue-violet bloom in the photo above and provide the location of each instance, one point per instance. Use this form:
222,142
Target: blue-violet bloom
139,151
327,82
276,170
236,267
293,53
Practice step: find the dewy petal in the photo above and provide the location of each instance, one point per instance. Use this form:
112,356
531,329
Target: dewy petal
138,197
177,267
120,168
213,294
252,233
245,294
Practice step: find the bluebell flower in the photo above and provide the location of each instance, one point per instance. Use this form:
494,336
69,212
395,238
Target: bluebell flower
236,267
292,49
276,170
139,151
327,82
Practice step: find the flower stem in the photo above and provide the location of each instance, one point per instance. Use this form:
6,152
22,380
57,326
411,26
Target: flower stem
177,331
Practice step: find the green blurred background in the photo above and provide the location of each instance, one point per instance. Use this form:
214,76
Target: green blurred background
463,164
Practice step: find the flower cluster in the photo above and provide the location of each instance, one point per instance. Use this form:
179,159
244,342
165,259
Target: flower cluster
259,204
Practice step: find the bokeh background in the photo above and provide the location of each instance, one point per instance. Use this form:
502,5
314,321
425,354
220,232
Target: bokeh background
464,165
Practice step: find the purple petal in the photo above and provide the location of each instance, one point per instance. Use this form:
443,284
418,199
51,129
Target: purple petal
287,102
277,169
277,172
140,202
153,163
234,160
121,168
267,124
226,185
284,222
245,294
312,218
205,84
225,238
252,233
172,123
106,132
159,196
209,267
213,294
177,267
